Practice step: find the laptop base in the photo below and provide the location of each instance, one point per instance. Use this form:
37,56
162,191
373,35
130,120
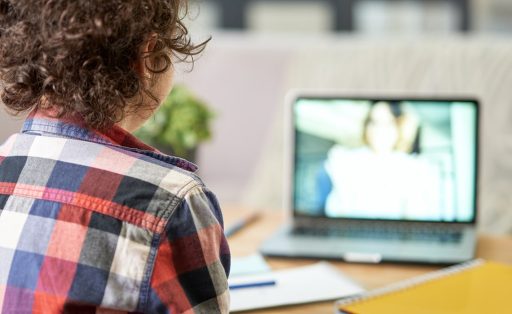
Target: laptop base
285,243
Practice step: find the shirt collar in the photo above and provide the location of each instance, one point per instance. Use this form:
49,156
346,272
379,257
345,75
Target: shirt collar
45,122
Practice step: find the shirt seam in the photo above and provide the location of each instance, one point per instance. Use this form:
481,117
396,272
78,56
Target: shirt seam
175,202
81,133
155,225
146,282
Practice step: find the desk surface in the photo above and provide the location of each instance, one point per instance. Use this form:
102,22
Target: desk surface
247,241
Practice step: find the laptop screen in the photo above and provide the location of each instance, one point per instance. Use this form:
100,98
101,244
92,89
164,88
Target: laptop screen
385,159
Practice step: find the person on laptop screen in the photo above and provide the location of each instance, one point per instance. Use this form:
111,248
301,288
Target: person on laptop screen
385,167
384,159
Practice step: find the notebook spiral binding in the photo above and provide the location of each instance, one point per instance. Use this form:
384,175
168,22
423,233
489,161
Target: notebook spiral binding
408,283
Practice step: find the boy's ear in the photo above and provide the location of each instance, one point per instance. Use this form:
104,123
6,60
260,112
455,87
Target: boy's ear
147,47
150,44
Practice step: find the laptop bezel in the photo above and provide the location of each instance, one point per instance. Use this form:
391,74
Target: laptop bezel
290,142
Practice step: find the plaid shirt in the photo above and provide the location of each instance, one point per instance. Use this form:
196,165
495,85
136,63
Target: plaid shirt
99,222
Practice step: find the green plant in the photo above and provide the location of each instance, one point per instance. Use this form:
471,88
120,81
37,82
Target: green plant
180,124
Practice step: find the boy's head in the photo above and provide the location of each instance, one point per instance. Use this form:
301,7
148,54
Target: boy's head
102,59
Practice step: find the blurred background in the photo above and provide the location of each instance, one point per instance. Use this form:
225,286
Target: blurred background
261,49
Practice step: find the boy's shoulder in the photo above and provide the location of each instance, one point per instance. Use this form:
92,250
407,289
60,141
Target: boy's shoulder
148,185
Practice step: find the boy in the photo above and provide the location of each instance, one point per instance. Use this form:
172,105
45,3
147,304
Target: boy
91,219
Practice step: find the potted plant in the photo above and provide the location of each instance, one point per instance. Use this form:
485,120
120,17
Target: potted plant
181,123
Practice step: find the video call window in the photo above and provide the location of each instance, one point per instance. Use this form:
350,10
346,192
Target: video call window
412,160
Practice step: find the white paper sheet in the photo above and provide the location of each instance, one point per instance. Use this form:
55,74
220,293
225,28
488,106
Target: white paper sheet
317,282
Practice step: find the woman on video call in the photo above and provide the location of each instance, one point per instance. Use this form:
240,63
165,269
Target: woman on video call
377,180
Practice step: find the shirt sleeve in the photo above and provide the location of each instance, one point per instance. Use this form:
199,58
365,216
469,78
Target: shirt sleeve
193,260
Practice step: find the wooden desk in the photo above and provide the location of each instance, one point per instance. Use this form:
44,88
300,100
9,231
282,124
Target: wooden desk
247,241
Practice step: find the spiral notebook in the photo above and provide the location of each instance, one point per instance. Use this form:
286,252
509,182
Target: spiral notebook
474,287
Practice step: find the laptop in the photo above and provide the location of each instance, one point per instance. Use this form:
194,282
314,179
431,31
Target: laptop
380,179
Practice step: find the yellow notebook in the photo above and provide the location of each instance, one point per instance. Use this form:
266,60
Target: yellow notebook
473,287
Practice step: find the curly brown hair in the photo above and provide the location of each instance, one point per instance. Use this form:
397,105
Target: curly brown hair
79,55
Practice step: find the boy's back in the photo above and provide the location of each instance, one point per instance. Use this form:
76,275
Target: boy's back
87,224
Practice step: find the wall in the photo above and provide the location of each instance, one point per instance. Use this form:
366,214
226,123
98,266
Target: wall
8,125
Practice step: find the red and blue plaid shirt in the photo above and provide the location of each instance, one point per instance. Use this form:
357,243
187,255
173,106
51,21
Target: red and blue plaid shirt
96,222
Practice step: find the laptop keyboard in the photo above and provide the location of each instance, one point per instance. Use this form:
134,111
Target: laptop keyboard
389,231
